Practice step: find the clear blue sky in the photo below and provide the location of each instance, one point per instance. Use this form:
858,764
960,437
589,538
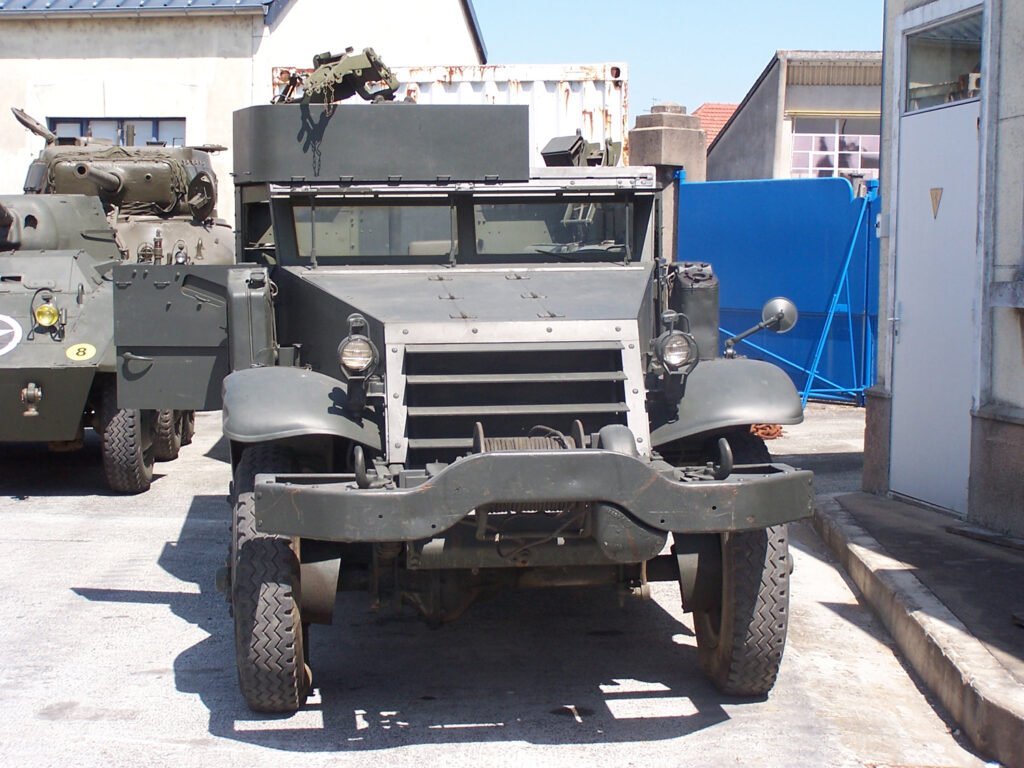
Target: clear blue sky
677,50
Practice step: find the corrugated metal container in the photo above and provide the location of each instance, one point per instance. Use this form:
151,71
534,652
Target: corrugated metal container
563,98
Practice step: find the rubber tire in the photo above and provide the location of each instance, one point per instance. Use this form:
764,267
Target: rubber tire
740,645
188,427
168,435
265,588
127,459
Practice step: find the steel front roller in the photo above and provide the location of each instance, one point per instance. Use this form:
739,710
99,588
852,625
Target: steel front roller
167,435
269,638
126,444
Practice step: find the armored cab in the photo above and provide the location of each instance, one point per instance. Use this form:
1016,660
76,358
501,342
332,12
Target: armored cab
57,254
445,372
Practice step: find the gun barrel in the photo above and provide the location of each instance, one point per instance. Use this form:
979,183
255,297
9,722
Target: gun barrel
105,180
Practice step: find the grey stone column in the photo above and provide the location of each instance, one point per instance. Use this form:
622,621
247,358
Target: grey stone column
670,140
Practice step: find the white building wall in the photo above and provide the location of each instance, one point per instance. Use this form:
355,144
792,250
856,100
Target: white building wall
200,67
1007,246
996,495
196,68
403,32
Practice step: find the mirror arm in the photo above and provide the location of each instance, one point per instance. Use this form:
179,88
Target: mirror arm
771,322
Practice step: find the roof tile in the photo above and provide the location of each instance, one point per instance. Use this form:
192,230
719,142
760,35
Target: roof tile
713,117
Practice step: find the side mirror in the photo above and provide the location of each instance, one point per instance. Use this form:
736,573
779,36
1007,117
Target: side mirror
778,314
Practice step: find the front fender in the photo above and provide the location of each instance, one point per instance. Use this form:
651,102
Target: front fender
727,393
274,403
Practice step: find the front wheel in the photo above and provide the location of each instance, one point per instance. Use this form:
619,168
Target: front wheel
741,638
740,641
126,444
265,588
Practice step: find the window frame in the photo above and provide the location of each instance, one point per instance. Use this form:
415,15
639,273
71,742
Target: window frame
83,127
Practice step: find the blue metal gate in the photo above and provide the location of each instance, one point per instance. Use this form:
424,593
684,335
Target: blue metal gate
811,240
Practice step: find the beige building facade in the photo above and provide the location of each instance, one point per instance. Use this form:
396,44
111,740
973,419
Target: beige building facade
946,419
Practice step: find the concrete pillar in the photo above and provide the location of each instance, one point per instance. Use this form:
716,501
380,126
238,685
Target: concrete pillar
670,140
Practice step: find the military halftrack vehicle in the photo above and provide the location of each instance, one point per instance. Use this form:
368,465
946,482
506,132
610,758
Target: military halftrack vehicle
88,206
446,373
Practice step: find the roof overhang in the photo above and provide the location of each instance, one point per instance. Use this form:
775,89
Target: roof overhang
18,10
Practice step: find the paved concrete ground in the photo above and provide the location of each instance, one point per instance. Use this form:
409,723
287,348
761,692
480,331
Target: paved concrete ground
982,583
952,603
117,651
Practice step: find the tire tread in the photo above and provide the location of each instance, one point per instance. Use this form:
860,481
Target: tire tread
167,435
747,654
126,465
264,587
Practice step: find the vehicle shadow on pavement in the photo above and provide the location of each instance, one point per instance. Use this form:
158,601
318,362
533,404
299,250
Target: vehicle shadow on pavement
542,666
33,470
219,451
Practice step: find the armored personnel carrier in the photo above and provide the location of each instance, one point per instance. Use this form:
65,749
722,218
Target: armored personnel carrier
160,203
446,373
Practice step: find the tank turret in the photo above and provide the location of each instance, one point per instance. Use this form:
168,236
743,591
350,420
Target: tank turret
161,200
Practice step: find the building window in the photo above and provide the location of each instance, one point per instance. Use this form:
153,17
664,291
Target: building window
944,64
835,146
126,131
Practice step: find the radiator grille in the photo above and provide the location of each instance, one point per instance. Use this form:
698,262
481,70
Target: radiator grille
509,389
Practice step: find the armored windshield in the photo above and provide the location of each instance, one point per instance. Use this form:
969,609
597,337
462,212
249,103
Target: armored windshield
378,233
427,232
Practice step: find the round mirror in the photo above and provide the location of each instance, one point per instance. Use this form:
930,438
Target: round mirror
780,313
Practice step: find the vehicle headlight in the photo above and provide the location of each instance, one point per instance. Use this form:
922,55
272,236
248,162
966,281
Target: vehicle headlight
357,355
677,350
46,314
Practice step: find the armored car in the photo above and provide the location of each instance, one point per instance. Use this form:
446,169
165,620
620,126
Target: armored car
144,205
57,253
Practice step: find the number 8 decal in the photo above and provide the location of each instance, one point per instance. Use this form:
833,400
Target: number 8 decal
79,353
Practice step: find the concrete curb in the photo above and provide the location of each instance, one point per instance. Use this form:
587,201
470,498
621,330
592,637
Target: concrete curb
979,693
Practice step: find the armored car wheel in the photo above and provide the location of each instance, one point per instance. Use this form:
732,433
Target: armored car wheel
126,444
741,639
168,434
269,637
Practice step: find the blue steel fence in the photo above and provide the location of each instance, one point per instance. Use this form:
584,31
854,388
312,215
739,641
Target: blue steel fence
811,240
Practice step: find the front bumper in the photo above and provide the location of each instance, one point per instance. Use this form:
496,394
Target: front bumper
333,508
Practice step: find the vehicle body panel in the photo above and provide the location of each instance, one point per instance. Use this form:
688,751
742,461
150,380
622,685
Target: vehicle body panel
47,262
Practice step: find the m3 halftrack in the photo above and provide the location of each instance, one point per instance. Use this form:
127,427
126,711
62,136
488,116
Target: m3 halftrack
446,373
89,205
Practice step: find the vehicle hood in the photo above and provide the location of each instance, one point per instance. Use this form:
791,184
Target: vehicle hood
490,294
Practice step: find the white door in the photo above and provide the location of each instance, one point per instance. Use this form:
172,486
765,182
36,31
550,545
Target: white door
936,264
